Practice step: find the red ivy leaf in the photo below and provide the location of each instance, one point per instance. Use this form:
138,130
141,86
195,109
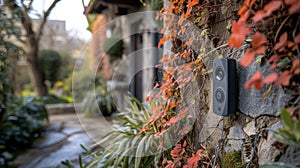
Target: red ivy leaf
272,6
176,152
193,161
273,60
282,41
290,44
267,11
294,6
199,151
259,15
283,79
249,3
260,50
184,143
255,81
297,38
239,31
270,78
258,40
296,66
170,164
248,57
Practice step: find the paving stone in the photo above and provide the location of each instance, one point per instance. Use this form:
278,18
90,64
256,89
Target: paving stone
69,151
72,124
49,139
71,131
54,127
54,146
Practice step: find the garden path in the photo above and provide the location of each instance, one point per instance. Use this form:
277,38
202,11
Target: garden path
61,141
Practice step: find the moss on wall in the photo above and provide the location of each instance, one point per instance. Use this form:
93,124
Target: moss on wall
232,159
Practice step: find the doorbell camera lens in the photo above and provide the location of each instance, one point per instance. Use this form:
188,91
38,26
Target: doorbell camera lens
219,73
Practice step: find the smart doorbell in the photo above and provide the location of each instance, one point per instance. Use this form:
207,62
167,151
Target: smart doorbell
224,87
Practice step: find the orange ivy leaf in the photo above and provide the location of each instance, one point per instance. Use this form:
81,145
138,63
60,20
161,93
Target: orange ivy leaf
258,39
248,57
162,41
294,6
164,58
282,41
242,10
150,97
172,104
239,31
255,81
283,79
192,3
245,16
270,78
181,19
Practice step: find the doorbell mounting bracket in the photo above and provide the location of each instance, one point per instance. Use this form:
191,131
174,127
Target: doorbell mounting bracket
224,87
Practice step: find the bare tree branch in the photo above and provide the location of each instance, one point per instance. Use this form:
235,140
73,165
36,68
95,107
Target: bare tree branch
83,4
44,19
25,19
30,3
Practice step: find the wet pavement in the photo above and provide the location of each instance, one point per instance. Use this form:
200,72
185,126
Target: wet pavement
61,141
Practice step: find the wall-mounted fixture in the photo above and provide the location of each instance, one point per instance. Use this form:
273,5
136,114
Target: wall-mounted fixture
224,87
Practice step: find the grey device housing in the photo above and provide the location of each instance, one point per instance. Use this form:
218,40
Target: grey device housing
224,87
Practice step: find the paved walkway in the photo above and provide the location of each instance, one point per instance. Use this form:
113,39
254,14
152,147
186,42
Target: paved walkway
61,141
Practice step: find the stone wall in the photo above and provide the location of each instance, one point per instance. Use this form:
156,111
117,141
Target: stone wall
250,132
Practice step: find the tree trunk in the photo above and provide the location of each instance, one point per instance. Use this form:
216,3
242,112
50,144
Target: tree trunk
36,73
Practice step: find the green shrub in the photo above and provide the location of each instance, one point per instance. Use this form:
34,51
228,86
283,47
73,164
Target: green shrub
290,132
52,99
21,124
50,61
